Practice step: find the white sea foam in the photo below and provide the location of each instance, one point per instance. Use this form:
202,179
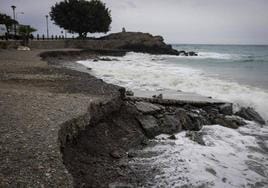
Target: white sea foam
214,55
230,159
210,55
151,72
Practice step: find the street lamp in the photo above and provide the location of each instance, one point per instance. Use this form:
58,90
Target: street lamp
13,8
47,26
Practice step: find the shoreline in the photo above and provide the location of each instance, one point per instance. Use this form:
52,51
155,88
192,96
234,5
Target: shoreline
86,119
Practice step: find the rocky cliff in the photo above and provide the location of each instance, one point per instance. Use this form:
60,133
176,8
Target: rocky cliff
140,42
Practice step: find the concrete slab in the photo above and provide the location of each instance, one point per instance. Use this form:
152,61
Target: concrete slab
172,97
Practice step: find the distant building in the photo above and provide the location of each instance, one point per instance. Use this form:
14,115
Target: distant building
3,30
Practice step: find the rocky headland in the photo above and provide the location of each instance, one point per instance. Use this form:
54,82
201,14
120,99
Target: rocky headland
143,42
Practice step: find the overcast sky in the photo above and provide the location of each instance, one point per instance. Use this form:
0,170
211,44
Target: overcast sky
178,21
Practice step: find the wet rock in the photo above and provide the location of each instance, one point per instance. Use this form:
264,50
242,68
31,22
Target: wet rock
131,109
211,112
147,108
196,137
172,137
189,120
170,124
149,125
226,109
160,96
191,53
132,154
129,93
250,114
196,123
105,59
182,53
122,92
212,171
89,68
233,122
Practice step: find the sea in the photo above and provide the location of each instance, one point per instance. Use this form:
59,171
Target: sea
234,73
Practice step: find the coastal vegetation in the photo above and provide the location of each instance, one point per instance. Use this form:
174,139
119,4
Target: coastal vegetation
82,16
15,30
7,21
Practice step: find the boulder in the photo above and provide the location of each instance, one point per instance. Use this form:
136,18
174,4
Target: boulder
170,124
150,125
172,137
250,114
211,113
189,120
226,109
147,108
233,122
196,122
160,96
129,93
191,53
182,53
105,59
196,137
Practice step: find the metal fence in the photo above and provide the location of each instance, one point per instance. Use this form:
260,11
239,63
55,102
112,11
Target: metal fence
37,37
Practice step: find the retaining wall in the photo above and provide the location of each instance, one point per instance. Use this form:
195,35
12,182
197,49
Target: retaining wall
55,44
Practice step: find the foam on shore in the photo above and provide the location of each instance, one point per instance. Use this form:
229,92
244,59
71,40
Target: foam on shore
151,72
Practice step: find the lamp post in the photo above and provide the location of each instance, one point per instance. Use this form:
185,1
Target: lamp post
13,8
47,26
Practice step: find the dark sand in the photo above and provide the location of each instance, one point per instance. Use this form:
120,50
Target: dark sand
39,105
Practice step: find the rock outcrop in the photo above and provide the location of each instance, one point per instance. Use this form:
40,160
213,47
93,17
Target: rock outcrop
140,42
184,53
158,117
251,115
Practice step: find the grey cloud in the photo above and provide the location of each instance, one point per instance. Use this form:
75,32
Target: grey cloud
179,21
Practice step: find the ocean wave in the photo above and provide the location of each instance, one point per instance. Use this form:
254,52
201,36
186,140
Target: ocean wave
214,55
211,55
139,71
231,158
